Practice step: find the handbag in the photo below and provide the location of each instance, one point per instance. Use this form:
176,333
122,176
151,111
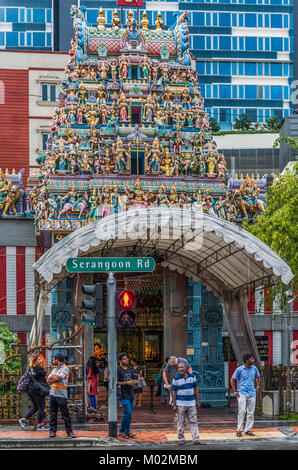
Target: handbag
142,382
39,388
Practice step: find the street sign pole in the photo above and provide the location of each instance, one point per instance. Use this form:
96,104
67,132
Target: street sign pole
112,355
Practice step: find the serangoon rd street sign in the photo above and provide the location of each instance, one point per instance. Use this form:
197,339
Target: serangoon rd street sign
105,265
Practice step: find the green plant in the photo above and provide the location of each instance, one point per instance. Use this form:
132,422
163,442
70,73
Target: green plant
273,123
214,126
9,338
291,141
243,122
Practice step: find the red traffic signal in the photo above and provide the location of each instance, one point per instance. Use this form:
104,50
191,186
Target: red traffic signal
127,299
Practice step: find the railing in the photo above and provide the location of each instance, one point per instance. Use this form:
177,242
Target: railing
13,403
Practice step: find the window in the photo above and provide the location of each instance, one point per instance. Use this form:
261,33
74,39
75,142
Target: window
266,21
22,15
234,91
276,92
250,20
49,16
234,68
215,42
260,44
234,43
251,44
286,93
260,92
286,21
260,69
200,68
215,91
224,68
208,91
234,19
2,14
38,15
286,70
44,139
29,15
12,39
224,19
12,15
208,42
215,19
240,68
224,115
241,19
215,68
48,92
276,44
208,68
241,44
267,44
224,42
276,21
225,91
250,91
260,21
2,36
276,70
251,68
49,39
199,42
38,39
92,16
267,92
252,114
208,19
198,19
29,39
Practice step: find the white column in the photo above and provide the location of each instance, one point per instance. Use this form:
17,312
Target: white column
11,280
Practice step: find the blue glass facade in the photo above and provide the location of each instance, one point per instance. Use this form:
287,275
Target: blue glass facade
244,49
26,24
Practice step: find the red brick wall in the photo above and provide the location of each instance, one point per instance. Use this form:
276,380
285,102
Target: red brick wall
14,121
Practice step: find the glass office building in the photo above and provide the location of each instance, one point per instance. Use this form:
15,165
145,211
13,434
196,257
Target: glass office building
244,49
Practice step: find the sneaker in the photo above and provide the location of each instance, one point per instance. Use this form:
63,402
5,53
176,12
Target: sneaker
52,435
132,436
181,442
239,434
123,435
199,443
42,427
71,435
23,423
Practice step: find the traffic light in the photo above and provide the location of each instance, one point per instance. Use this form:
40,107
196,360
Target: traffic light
95,305
126,308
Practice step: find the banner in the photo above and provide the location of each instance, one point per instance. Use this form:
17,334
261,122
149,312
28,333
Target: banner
129,3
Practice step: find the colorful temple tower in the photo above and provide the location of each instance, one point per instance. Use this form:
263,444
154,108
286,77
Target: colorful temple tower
131,132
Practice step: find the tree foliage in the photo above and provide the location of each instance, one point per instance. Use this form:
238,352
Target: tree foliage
273,124
278,224
214,126
243,122
8,338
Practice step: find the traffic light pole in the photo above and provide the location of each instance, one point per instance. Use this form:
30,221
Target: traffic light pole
112,355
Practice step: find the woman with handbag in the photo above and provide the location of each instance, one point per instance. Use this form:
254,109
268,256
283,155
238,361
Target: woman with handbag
137,369
37,391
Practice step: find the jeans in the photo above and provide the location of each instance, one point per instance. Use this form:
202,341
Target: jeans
190,412
92,401
59,403
127,407
38,404
246,405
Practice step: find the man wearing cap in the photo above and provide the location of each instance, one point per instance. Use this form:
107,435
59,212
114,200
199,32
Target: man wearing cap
248,380
58,379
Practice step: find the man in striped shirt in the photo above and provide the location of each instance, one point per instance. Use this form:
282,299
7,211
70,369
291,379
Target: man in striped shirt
185,399
58,379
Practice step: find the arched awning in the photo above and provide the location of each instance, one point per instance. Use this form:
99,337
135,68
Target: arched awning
221,255
224,257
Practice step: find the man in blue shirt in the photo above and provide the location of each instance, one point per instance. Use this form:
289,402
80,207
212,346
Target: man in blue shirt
185,399
248,379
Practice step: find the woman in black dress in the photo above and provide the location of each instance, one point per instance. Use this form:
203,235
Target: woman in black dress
37,400
138,374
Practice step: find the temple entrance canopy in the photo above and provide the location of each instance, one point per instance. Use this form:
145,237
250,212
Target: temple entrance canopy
225,258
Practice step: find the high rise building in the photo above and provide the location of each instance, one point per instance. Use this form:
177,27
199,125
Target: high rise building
244,49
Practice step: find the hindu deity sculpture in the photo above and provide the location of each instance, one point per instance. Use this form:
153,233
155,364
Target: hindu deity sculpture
123,107
137,196
162,198
91,116
211,160
145,66
121,162
167,166
115,199
149,108
173,197
247,198
106,200
62,160
123,67
93,201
